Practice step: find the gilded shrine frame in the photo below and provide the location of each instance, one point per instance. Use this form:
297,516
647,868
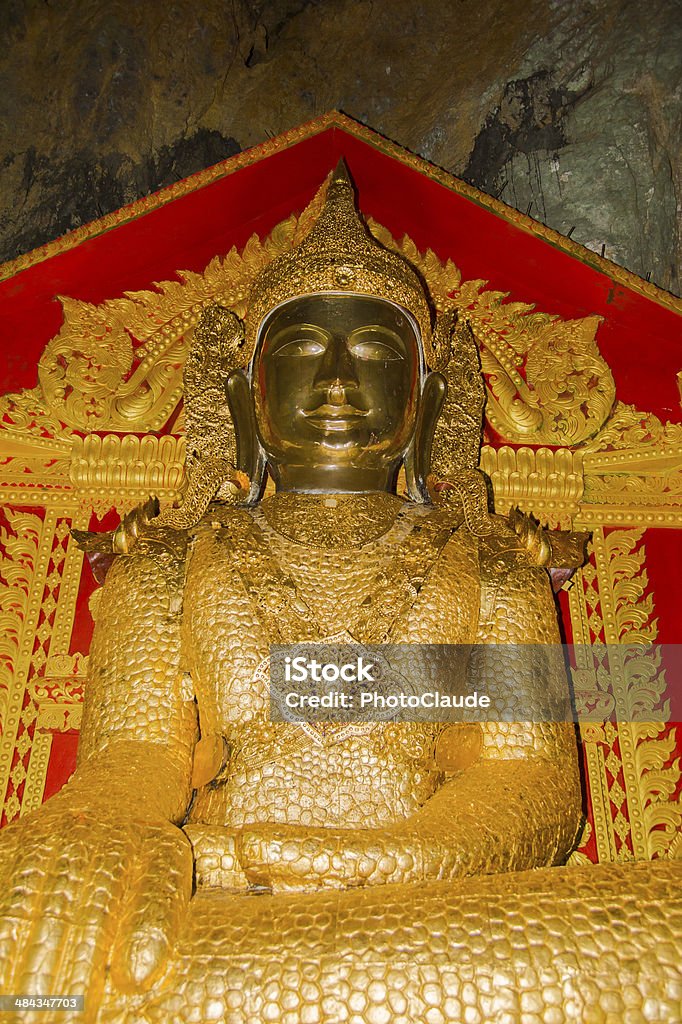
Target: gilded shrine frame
103,429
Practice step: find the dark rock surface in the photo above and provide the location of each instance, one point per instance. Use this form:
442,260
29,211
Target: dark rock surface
568,108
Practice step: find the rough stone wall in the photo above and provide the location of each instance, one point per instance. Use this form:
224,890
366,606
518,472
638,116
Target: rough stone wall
568,109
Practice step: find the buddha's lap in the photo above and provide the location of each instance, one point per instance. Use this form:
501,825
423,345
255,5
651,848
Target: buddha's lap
599,939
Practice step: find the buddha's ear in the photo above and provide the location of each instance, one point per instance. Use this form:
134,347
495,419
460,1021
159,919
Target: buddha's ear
250,458
418,456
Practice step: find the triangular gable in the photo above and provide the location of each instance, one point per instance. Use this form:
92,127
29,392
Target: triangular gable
184,225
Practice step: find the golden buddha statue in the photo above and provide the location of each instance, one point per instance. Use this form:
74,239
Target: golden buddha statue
206,863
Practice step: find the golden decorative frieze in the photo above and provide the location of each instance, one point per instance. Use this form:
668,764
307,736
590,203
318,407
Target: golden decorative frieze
562,487
628,434
547,482
627,515
27,547
96,471
58,694
548,384
36,776
633,472
93,377
629,474
40,570
546,381
117,367
35,450
102,466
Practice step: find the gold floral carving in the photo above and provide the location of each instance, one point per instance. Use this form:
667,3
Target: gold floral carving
93,376
633,472
628,430
23,570
629,474
40,570
118,366
659,778
546,381
58,694
631,782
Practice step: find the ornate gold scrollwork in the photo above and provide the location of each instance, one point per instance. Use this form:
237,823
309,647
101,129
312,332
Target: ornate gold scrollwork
118,366
546,381
632,781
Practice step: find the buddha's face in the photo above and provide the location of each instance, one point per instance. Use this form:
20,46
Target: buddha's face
335,388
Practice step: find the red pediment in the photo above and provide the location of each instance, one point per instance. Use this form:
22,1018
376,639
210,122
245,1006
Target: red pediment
184,226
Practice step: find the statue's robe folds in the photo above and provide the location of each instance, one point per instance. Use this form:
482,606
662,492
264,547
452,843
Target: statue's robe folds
407,934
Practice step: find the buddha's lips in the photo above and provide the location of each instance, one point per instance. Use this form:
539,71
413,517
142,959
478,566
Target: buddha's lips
334,417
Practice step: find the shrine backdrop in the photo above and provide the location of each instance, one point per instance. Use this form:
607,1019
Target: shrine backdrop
583,430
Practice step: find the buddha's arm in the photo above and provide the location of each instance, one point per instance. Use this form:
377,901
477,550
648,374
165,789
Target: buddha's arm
139,726
99,869
520,803
517,806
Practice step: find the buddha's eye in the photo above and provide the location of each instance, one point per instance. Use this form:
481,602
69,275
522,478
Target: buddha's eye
376,343
298,341
375,350
301,347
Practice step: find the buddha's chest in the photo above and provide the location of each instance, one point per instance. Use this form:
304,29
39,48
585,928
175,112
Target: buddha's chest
245,591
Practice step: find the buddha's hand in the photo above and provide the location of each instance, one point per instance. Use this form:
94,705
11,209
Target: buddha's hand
497,816
86,887
288,858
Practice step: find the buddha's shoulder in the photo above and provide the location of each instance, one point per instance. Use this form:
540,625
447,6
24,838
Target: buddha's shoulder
136,547
500,543
142,534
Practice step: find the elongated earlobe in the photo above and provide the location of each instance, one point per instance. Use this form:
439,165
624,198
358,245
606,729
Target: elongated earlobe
250,457
418,457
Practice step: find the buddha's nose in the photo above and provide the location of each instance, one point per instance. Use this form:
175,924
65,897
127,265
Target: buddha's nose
336,372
